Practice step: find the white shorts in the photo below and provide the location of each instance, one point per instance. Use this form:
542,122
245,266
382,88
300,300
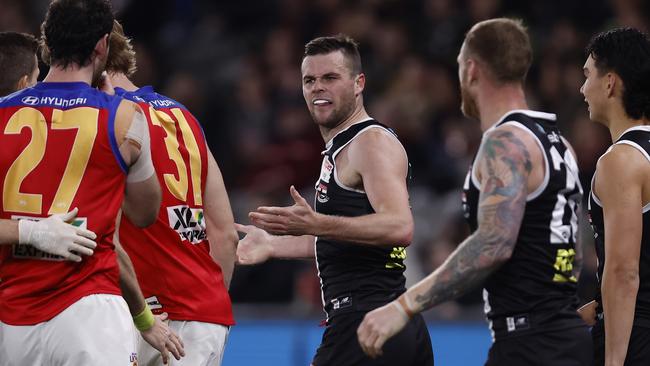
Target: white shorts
96,330
204,345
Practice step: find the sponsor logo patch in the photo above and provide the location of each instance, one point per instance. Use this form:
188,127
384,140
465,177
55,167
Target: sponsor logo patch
187,222
341,302
30,100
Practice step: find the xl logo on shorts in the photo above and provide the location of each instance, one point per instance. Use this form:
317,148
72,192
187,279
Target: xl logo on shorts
188,223
29,252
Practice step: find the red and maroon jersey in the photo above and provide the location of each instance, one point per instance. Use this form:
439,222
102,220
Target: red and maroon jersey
172,257
58,152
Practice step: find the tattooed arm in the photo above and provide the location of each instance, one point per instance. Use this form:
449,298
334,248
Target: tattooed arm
505,162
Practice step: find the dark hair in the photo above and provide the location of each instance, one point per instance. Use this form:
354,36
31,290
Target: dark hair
71,30
503,45
625,51
340,42
17,51
121,56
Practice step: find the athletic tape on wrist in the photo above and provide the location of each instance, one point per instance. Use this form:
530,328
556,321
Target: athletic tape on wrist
144,320
403,303
25,229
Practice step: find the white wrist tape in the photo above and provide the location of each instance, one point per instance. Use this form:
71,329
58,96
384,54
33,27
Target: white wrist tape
25,229
138,133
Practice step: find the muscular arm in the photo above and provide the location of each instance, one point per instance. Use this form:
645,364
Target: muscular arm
142,194
372,157
220,224
381,162
618,184
504,164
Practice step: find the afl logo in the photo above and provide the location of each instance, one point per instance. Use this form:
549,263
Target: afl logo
31,100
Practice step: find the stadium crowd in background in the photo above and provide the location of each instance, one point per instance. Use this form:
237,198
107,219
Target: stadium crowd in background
237,67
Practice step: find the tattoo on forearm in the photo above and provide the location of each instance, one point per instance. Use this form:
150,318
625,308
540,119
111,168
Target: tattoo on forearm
505,165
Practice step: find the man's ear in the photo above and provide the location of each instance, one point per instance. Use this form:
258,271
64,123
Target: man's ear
23,82
359,84
473,71
101,47
612,82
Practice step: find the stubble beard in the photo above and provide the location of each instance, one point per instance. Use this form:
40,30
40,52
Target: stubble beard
338,115
468,105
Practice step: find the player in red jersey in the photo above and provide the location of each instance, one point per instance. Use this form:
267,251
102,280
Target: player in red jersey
19,63
82,143
185,260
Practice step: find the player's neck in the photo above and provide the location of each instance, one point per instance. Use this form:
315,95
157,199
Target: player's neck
618,122
358,115
72,73
494,102
120,80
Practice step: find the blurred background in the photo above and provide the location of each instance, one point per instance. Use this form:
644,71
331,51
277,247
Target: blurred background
236,66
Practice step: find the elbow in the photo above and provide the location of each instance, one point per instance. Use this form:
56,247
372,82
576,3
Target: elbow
623,276
143,216
150,217
403,234
502,251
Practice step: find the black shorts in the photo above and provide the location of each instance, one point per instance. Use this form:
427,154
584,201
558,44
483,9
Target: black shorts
340,346
566,347
638,350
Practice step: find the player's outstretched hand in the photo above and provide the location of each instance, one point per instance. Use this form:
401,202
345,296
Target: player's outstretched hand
54,235
255,247
299,219
380,325
588,312
160,337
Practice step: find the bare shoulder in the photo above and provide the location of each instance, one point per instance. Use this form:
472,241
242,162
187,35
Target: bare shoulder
623,162
376,141
124,116
513,144
377,151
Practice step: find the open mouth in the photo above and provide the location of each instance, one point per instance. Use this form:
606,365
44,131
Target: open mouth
321,102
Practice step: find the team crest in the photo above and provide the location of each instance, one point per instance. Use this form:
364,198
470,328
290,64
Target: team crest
325,174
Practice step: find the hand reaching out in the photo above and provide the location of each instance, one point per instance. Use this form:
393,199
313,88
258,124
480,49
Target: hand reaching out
299,219
255,247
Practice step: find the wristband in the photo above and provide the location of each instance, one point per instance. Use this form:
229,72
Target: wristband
25,229
403,303
145,320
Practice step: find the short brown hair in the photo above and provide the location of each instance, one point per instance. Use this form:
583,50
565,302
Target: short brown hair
504,46
17,51
121,56
340,42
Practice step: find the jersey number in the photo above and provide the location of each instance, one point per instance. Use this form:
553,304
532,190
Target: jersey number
179,186
84,120
564,221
